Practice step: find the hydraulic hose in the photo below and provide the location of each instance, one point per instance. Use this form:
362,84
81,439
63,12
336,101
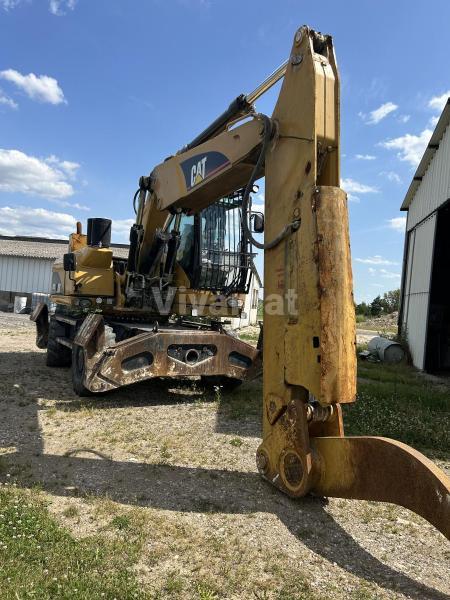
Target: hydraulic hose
134,200
267,124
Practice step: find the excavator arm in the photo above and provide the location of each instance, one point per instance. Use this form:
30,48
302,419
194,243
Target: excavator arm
309,322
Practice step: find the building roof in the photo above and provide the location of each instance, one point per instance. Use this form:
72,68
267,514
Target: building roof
31,247
430,151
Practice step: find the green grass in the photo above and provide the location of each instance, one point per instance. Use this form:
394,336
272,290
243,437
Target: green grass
378,327
42,560
244,402
121,522
237,442
395,401
71,512
206,592
249,337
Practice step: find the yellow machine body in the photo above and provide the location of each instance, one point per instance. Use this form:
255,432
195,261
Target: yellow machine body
93,276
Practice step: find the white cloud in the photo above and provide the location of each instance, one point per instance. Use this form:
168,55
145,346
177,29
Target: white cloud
37,87
410,147
56,7
380,113
21,220
384,273
438,102
392,176
24,174
404,118
70,168
65,204
352,186
120,229
7,101
433,121
9,4
389,274
353,198
397,223
365,157
258,202
60,7
375,260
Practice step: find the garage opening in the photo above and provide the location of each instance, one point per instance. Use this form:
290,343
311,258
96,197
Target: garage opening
437,358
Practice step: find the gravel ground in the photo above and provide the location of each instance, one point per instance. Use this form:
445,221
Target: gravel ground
185,470
363,336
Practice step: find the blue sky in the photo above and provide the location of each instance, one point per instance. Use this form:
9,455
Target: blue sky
94,93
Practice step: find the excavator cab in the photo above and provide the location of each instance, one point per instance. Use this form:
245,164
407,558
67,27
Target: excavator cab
213,250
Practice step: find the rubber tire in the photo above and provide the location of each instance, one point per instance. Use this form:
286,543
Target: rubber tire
227,384
57,354
78,368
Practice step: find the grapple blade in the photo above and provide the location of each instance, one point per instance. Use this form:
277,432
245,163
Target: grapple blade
384,470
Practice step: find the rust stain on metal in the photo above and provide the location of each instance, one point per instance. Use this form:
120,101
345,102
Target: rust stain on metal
88,329
106,368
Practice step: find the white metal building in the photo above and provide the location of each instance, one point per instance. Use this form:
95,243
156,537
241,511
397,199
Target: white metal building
425,301
250,312
26,268
26,265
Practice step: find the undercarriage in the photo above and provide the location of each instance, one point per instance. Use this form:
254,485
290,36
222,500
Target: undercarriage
107,352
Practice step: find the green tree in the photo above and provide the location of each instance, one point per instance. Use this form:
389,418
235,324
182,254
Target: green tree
362,309
391,301
376,306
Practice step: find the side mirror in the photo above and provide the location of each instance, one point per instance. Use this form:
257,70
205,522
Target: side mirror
69,262
257,220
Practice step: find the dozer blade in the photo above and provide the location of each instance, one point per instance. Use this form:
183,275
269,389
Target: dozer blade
384,470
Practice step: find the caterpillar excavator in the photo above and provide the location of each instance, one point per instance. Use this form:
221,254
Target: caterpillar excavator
160,313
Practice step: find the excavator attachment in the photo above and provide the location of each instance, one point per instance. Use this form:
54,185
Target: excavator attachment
376,468
309,324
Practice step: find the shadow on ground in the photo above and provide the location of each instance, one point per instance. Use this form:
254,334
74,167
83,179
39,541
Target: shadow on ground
84,472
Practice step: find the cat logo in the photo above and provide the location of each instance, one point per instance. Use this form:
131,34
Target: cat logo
202,166
198,171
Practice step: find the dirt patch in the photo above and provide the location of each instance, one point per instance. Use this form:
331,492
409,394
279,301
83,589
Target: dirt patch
178,468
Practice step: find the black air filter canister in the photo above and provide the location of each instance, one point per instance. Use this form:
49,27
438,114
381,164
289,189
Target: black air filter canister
99,232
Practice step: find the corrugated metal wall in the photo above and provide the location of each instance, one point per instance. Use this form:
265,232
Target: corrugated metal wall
434,188
28,275
417,287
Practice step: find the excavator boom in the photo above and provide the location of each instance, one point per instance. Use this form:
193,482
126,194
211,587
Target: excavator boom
309,317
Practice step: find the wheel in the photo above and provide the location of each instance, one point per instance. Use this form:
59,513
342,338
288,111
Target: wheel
57,354
226,384
78,371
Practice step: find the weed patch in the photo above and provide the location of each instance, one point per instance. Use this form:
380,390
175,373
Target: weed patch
42,560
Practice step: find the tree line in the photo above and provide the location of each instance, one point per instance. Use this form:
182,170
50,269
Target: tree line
387,304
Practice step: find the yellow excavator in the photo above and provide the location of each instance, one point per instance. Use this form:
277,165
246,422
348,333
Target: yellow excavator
160,313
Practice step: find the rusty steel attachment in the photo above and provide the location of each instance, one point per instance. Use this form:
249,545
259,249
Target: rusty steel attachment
321,414
384,470
158,353
309,347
